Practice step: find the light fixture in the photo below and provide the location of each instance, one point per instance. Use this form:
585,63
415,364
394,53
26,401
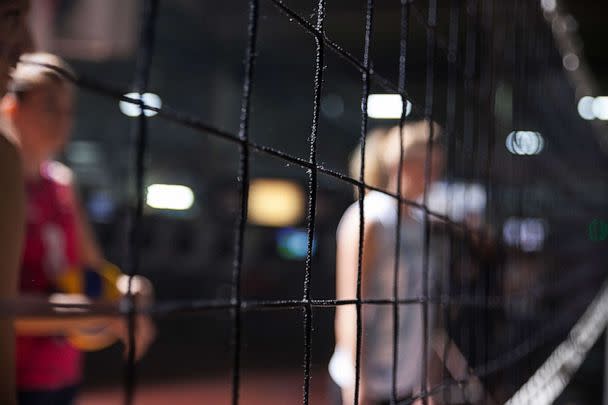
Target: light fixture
528,234
292,243
457,200
169,197
131,109
571,62
101,206
590,108
386,106
600,108
548,5
275,202
585,108
598,230
525,143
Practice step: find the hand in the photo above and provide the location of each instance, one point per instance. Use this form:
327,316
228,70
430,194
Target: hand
141,288
144,330
142,291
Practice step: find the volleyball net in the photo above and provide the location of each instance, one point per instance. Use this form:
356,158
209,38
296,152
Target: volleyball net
503,80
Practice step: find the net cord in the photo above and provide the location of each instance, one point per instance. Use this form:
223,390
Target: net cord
554,375
403,42
488,92
312,195
453,55
244,181
365,79
428,114
140,129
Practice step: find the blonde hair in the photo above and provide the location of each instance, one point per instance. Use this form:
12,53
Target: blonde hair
382,151
35,70
375,174
416,136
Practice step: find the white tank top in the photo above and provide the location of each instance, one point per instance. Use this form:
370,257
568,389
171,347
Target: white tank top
377,343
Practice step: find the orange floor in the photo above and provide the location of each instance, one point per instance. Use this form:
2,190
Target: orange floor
255,390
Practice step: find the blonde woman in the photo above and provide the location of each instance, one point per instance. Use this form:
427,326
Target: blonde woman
380,210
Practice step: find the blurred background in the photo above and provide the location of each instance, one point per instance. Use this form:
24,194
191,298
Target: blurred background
546,188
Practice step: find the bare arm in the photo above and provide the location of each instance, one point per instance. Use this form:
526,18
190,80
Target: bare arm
58,326
56,321
346,282
12,220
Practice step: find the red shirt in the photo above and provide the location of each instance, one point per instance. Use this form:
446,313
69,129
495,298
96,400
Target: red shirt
51,248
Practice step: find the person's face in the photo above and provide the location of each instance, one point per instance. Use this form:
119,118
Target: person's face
43,119
14,36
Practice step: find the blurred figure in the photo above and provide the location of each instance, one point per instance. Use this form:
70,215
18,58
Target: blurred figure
380,210
14,39
60,253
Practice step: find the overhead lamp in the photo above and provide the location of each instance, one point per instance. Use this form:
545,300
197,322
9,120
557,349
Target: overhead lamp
529,234
585,108
133,109
386,106
525,143
275,202
169,197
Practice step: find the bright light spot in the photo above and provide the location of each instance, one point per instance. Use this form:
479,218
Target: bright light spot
548,5
571,62
101,206
600,108
585,108
332,105
133,110
169,197
292,244
274,202
598,230
525,143
527,233
457,200
386,106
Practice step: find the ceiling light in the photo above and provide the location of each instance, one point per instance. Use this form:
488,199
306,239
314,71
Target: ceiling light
170,197
386,106
132,109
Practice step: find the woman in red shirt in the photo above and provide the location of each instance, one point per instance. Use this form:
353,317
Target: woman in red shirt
59,245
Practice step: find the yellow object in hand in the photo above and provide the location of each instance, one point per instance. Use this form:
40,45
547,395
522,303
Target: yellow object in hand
96,284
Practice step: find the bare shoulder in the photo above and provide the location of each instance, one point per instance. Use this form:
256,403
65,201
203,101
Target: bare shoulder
350,222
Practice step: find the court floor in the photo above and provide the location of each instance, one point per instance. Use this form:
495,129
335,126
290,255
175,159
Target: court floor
259,389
